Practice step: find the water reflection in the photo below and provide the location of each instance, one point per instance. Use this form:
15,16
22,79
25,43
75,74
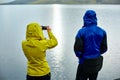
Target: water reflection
57,55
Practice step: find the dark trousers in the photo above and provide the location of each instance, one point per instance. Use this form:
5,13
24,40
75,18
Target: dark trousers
46,77
82,75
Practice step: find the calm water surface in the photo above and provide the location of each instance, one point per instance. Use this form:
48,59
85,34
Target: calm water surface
65,20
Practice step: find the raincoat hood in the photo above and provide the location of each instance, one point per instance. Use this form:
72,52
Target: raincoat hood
34,31
90,18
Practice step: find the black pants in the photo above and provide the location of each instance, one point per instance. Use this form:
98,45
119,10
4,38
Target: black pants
82,75
46,77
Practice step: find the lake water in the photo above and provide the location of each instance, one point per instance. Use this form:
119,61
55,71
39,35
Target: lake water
65,21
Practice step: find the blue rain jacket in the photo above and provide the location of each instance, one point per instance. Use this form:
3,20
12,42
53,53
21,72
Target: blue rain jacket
91,40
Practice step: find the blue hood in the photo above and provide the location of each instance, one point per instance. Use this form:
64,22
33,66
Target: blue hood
90,18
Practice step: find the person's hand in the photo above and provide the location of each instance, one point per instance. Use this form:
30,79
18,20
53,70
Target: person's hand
48,28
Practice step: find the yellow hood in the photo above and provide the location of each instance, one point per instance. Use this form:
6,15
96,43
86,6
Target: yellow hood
34,30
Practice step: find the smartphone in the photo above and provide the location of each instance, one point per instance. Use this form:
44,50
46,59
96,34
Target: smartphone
44,27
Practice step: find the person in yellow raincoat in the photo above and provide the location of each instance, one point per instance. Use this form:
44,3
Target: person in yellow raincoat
34,48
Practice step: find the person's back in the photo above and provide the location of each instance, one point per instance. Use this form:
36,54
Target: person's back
92,37
90,43
34,48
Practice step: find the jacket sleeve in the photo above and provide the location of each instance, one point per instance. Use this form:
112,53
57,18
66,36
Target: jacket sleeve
52,42
78,47
103,47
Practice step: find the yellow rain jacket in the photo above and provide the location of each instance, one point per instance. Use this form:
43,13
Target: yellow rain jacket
34,48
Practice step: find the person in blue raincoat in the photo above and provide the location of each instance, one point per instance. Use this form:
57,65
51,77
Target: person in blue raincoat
90,44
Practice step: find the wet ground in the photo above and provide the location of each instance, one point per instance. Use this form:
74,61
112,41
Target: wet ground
65,20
